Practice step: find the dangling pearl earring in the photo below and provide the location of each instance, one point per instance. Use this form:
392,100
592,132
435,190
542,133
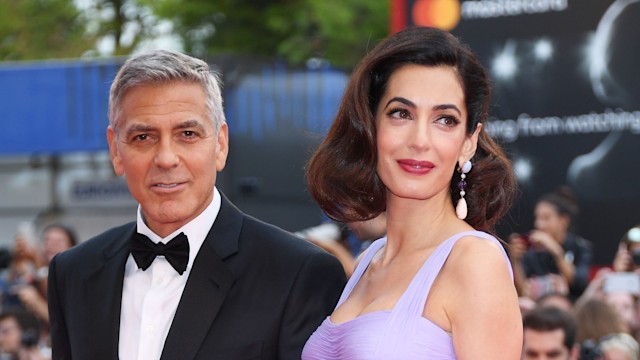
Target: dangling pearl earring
461,207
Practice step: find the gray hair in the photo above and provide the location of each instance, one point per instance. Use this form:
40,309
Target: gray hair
162,67
621,341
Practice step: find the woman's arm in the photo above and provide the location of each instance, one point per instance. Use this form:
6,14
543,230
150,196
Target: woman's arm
486,322
544,240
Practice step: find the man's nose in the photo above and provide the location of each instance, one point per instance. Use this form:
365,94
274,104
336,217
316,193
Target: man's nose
167,153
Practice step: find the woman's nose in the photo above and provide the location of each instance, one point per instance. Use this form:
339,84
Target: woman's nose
420,136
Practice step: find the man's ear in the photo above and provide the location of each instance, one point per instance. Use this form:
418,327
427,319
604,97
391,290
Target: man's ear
222,146
116,161
469,146
574,354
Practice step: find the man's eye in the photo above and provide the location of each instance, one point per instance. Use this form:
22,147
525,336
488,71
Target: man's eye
189,133
141,137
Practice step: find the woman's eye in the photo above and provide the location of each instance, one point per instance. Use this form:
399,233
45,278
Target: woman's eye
399,114
448,120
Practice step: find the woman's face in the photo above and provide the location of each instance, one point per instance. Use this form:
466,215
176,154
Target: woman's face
624,304
549,220
55,241
421,131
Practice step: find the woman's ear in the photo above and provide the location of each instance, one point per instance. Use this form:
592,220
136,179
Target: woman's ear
470,145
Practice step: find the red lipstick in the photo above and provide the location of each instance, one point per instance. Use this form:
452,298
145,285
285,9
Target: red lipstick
415,166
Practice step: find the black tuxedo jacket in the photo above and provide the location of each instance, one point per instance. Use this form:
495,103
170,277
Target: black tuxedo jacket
254,292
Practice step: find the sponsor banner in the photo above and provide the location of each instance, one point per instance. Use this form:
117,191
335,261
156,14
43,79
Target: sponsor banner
97,193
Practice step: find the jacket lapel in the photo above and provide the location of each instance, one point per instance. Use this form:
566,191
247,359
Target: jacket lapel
207,286
104,296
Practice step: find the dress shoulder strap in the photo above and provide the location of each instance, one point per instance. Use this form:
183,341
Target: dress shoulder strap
363,264
415,297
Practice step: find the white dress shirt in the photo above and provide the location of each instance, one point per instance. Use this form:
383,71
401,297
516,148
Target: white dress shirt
150,298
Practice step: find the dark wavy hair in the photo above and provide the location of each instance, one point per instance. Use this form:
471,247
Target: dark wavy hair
564,202
341,174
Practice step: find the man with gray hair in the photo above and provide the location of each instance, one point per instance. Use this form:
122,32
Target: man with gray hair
193,277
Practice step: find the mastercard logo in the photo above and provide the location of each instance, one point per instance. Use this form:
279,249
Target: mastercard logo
443,14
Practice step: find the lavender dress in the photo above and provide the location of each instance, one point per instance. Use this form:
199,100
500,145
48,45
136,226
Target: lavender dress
400,333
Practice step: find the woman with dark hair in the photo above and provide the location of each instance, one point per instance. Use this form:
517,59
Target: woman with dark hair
58,237
408,139
552,258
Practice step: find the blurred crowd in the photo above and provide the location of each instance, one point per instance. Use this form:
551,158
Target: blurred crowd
24,316
599,305
571,310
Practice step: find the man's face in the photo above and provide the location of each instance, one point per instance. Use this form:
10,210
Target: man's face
545,345
10,336
169,151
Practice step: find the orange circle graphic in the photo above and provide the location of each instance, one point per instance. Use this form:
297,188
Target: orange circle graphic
443,14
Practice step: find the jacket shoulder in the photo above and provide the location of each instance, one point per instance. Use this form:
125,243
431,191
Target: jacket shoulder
266,235
108,241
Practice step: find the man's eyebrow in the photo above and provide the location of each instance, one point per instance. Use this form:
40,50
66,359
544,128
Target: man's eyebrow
142,128
190,124
138,128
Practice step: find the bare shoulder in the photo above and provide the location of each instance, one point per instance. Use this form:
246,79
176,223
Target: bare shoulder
482,305
472,247
478,259
479,272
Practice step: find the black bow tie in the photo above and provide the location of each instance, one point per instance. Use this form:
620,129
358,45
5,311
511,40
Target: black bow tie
176,251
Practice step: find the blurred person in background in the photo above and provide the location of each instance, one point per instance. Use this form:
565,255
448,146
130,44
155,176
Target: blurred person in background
19,336
56,238
558,300
626,305
368,231
628,255
331,237
626,262
336,238
620,290
551,258
22,272
619,347
597,321
549,334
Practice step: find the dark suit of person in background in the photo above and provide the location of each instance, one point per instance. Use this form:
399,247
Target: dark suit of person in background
248,290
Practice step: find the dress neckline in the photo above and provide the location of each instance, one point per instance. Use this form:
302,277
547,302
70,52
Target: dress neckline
373,249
